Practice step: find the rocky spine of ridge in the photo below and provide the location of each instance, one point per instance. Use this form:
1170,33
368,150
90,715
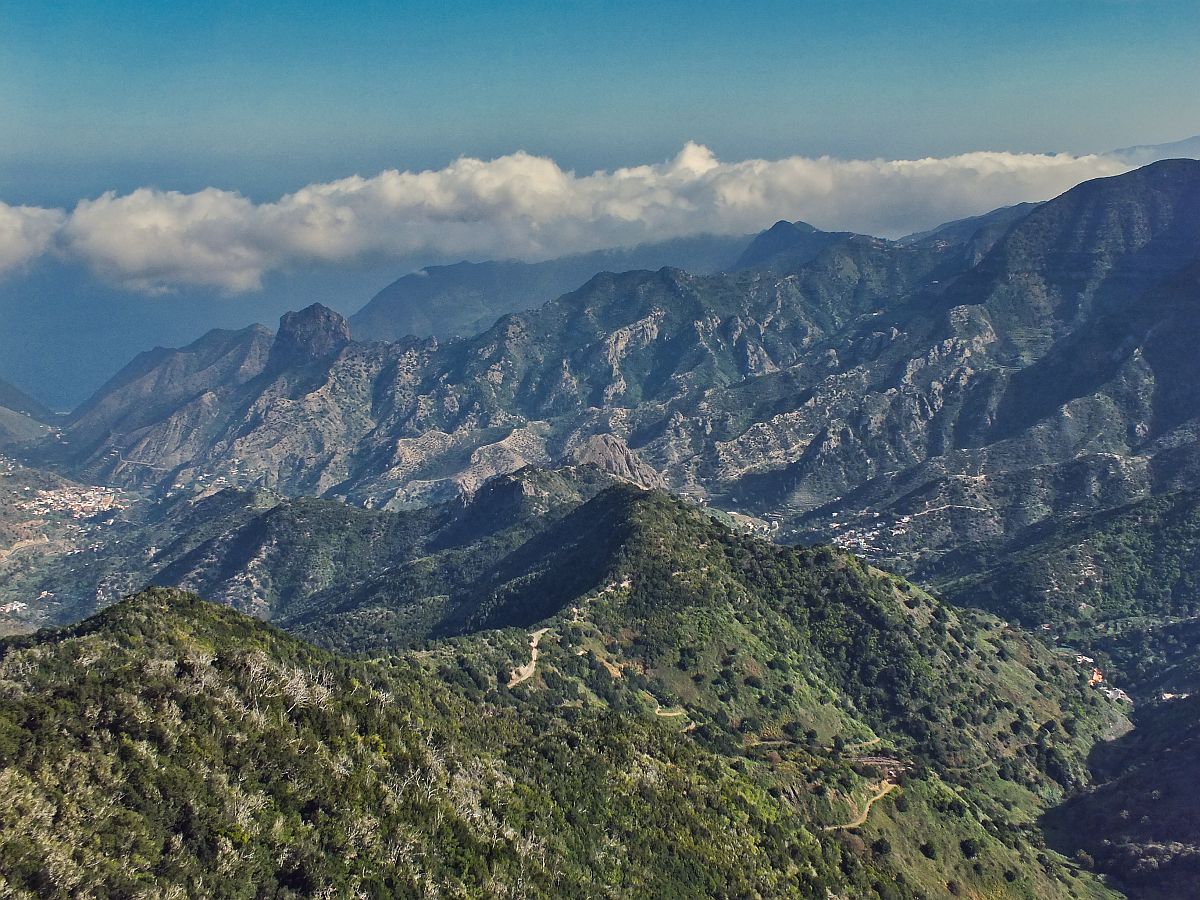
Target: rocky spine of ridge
613,456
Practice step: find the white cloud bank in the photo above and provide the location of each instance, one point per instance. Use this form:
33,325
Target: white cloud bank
25,233
518,206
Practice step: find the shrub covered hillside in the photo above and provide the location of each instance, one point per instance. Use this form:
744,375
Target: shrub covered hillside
838,684
683,711
276,557
168,742
1136,561
1122,585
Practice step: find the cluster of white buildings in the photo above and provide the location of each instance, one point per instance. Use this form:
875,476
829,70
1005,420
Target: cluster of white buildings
862,539
76,502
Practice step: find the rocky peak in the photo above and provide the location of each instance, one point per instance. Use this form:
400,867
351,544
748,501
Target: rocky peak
612,455
313,333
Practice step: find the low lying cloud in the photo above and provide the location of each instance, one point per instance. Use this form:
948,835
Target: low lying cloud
25,233
152,240
517,207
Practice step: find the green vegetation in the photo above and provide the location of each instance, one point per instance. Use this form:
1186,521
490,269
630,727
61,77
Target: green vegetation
172,743
1140,560
707,715
284,559
1122,585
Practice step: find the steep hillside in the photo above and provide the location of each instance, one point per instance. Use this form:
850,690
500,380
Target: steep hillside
267,555
13,398
161,383
19,429
786,246
45,520
1118,587
977,234
1141,824
208,754
1140,561
1066,392
22,419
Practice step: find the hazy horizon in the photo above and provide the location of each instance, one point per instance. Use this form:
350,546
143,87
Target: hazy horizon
171,169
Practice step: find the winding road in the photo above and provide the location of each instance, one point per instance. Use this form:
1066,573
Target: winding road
861,745
525,672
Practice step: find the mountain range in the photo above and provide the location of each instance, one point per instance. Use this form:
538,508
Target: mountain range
901,388
577,519
466,298
1143,154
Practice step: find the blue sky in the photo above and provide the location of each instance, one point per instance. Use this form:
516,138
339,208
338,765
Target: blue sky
265,97
169,167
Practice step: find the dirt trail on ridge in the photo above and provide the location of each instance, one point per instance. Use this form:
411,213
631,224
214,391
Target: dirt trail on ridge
525,672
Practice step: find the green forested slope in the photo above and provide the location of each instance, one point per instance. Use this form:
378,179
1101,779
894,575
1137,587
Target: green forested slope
1123,583
1142,559
713,716
173,743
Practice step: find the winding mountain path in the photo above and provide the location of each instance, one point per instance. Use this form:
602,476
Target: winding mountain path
884,789
525,672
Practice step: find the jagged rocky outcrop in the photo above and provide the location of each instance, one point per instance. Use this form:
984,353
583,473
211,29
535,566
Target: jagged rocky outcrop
611,454
405,422
311,335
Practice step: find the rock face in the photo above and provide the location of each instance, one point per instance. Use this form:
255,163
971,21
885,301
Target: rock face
611,454
313,334
927,397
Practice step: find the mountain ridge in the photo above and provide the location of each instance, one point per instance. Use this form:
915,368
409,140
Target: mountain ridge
465,298
872,370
